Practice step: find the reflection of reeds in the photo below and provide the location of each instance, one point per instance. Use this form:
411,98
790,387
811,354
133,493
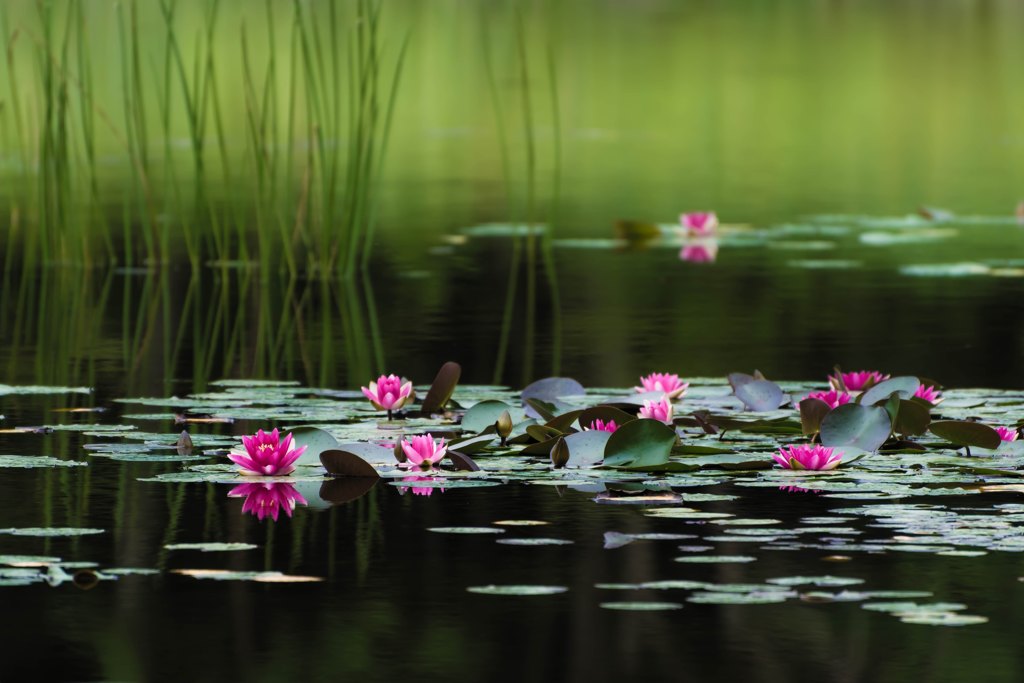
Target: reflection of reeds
528,245
308,175
205,325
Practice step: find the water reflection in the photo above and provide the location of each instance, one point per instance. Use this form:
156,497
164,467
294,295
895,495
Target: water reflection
701,251
268,499
421,490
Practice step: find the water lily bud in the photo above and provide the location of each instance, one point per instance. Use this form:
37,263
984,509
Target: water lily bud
400,452
504,425
184,443
560,453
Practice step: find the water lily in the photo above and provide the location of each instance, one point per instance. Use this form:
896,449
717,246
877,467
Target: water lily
858,380
929,393
419,490
657,410
699,253
808,457
422,452
660,381
833,398
268,499
1008,433
699,222
602,426
388,393
267,454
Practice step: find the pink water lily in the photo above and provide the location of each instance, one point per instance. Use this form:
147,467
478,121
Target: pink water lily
657,410
699,222
420,490
808,457
602,426
267,454
662,381
1008,433
699,253
858,380
268,499
833,398
929,393
388,393
422,452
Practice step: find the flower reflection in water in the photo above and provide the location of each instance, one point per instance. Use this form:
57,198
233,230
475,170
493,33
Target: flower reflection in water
799,489
421,490
268,499
703,251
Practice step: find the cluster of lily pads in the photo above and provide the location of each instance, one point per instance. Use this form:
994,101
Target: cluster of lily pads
861,413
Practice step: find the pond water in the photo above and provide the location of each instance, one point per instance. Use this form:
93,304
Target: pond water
817,133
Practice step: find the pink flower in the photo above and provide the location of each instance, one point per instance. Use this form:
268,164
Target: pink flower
859,380
419,490
422,452
602,426
833,398
699,253
808,457
699,222
1007,433
659,381
928,393
267,500
267,454
388,393
658,410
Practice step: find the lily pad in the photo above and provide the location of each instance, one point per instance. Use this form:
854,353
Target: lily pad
520,589
640,443
857,426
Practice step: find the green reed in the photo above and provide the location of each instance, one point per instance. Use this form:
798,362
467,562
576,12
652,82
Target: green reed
207,100
528,246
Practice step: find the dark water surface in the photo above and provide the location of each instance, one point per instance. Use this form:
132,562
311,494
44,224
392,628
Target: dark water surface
771,112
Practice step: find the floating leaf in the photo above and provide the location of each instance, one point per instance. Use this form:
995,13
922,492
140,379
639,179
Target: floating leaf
533,541
211,547
760,395
485,414
606,414
965,433
315,440
552,388
586,449
441,389
902,386
50,531
345,464
642,606
640,443
812,412
857,426
465,530
522,589
912,418
32,461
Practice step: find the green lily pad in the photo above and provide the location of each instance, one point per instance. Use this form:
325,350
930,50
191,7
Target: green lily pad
211,547
640,443
465,530
32,461
53,531
857,426
637,606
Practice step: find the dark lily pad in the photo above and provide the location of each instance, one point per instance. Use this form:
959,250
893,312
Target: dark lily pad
912,419
964,433
441,389
345,464
346,489
812,412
